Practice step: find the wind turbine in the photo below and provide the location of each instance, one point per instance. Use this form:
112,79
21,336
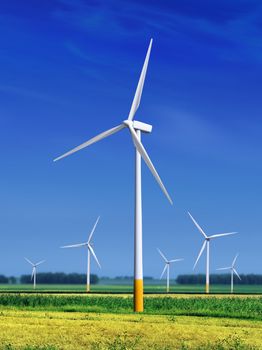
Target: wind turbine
33,276
206,245
90,251
135,128
233,271
167,268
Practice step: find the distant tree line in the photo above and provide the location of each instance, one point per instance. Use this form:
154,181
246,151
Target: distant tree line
50,278
10,280
59,278
219,279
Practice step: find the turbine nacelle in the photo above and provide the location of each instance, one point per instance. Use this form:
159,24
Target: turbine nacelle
137,125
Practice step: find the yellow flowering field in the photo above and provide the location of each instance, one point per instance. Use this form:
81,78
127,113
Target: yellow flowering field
78,330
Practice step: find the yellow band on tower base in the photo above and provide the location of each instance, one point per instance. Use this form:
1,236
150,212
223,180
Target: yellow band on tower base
138,296
207,288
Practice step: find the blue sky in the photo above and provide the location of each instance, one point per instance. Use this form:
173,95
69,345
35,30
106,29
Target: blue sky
69,70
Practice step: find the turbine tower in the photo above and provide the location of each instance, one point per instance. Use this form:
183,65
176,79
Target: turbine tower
135,128
206,245
233,271
167,268
33,276
90,251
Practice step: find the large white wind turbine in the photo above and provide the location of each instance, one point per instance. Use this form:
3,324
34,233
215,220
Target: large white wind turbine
135,128
167,268
233,271
206,245
33,276
90,249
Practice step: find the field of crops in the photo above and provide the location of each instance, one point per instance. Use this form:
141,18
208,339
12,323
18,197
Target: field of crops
70,331
154,288
216,306
79,321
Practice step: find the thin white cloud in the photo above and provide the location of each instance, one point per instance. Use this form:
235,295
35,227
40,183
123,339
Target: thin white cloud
190,134
10,89
227,39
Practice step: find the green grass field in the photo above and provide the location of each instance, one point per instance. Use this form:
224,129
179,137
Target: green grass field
107,288
243,307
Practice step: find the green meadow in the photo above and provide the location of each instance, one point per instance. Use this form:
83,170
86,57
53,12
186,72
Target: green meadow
127,288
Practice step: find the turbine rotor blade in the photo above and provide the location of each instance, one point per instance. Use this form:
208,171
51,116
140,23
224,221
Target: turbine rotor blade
197,225
175,260
222,234
234,261
94,255
30,262
236,273
75,245
40,262
139,89
93,230
93,140
200,253
163,256
33,272
224,268
162,274
147,160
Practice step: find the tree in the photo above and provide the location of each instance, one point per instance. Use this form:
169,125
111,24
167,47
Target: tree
224,278
59,278
3,279
12,280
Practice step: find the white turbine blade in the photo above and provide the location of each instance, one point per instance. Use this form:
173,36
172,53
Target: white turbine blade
225,268
33,272
93,230
162,274
147,160
30,262
40,262
163,256
174,260
200,253
222,234
139,89
197,225
237,273
234,261
74,245
93,140
94,255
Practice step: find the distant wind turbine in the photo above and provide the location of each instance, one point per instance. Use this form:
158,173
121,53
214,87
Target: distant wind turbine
33,276
90,249
135,128
167,268
233,271
206,245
